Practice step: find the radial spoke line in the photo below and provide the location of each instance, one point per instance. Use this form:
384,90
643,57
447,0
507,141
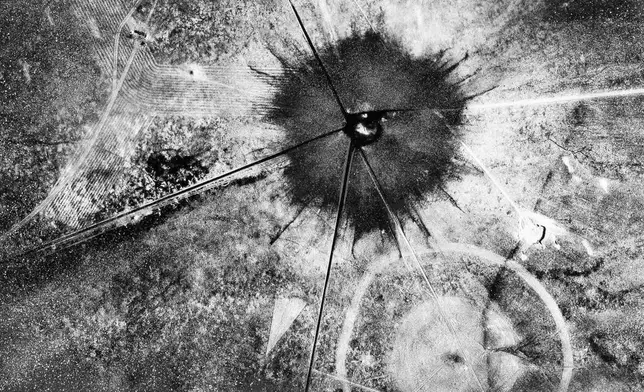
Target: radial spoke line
560,99
340,379
384,111
433,293
495,182
493,179
417,217
288,224
338,218
319,60
426,380
364,15
185,191
451,199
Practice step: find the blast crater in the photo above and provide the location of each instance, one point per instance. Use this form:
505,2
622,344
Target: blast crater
402,110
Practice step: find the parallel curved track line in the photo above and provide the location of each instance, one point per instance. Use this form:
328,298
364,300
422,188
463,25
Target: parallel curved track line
141,90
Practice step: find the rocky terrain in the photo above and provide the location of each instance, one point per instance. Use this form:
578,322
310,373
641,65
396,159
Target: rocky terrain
519,268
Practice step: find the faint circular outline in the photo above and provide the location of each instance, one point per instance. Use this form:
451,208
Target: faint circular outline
487,257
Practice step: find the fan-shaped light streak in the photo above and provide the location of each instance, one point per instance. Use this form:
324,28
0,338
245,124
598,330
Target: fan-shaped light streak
558,99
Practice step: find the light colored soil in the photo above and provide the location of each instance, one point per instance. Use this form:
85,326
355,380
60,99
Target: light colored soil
574,168
427,356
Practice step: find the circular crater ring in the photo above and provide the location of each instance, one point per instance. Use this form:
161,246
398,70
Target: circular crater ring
485,256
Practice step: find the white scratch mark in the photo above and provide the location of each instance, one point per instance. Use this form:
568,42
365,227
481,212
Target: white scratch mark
25,70
566,161
48,15
531,234
588,247
603,183
494,181
93,27
331,376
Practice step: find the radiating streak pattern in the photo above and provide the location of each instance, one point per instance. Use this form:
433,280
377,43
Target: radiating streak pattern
147,89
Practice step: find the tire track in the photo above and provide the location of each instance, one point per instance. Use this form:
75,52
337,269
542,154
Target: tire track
143,90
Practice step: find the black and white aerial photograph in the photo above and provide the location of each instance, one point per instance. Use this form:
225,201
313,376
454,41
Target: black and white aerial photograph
321,195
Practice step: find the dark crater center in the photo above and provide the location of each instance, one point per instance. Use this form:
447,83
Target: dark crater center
402,111
364,128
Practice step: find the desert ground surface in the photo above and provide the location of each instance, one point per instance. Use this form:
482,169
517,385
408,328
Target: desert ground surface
426,195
